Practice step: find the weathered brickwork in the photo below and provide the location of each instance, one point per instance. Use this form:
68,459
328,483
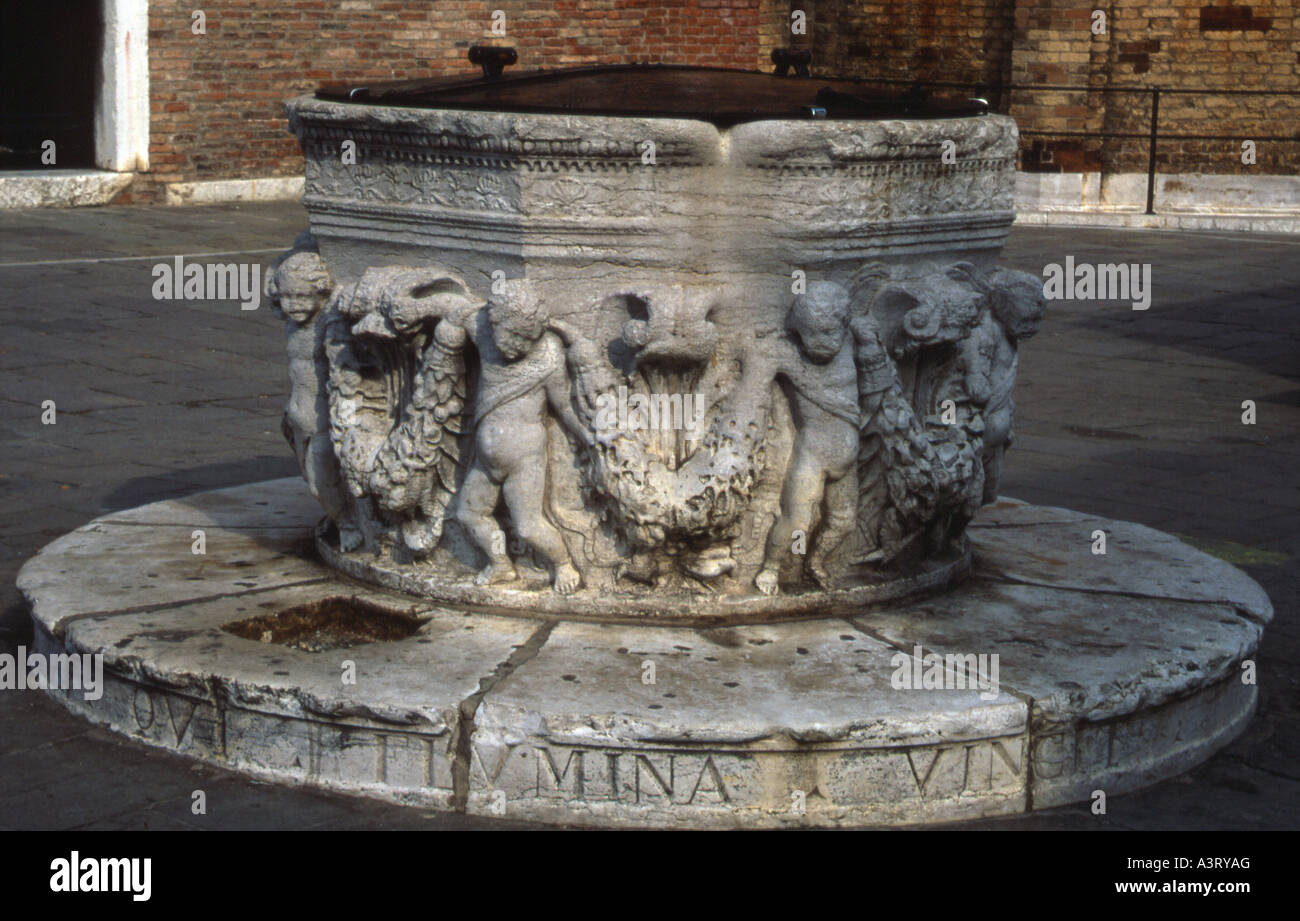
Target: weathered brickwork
1175,45
217,100
925,40
774,30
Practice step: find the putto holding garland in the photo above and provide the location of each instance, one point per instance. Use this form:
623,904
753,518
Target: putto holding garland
492,448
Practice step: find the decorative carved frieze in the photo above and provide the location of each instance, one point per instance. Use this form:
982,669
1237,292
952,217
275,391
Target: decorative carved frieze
838,450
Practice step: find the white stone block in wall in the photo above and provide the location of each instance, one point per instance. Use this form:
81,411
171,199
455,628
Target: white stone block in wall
122,106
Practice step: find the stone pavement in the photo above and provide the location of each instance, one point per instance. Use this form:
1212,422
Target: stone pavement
1127,414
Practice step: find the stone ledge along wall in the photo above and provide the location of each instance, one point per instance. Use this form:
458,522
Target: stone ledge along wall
217,100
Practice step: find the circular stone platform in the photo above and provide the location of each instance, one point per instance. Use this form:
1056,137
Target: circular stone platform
1114,671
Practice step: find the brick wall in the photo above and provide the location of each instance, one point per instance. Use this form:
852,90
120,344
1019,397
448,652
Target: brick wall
774,30
925,40
217,100
1173,44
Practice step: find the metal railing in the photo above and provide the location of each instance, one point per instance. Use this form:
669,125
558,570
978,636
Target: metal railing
1152,135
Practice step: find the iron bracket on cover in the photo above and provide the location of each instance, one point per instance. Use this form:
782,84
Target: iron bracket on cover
785,58
493,59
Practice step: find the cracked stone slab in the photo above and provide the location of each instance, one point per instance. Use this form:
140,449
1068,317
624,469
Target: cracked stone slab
737,722
1108,676
1111,682
1057,551
177,679
104,567
1078,655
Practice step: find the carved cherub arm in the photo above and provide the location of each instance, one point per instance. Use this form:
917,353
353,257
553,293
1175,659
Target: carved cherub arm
450,333
568,335
591,372
414,296
557,395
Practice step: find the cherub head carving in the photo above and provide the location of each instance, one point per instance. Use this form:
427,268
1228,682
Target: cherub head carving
518,318
819,320
1017,302
299,285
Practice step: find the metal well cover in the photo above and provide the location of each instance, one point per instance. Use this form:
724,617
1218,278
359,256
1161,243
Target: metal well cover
718,95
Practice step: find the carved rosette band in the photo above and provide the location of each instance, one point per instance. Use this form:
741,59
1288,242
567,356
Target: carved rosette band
497,442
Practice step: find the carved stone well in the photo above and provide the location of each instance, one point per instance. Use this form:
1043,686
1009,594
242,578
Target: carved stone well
658,439
738,344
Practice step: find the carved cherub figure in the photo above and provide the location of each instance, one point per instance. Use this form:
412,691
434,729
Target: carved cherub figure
522,375
1016,309
823,390
298,287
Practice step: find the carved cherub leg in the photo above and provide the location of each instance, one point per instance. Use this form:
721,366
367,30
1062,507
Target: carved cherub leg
478,500
711,562
841,518
419,534
799,500
992,474
320,468
525,489
295,439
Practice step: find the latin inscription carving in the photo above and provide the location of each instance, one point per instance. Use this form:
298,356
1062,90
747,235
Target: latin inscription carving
178,718
625,776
